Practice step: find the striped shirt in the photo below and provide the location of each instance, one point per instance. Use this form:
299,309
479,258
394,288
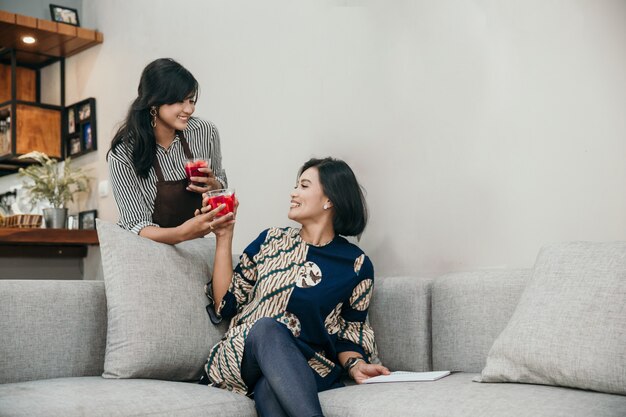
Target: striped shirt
135,196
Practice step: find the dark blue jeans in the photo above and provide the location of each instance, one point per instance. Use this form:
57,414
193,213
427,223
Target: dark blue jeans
278,373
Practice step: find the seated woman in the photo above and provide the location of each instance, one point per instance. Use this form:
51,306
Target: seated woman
298,299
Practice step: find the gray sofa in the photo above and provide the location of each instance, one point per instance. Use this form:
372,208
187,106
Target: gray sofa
52,347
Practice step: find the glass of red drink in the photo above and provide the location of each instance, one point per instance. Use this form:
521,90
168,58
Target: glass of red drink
221,196
192,169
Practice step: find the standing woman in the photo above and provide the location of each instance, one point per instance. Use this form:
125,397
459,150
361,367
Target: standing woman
297,301
148,155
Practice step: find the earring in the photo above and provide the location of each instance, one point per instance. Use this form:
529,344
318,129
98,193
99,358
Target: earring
153,113
325,206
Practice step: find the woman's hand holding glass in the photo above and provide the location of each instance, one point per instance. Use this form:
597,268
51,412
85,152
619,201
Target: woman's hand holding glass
201,177
222,224
202,224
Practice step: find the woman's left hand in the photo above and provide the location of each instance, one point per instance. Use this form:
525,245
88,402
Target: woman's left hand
203,184
362,371
222,228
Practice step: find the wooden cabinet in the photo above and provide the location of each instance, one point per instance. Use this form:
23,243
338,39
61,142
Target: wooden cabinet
27,124
26,84
37,128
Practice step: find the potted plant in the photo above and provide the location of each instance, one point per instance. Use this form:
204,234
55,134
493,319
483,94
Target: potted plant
53,184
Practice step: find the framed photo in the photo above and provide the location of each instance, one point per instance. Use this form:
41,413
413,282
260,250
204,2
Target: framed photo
75,146
87,136
64,14
84,112
80,131
87,219
71,121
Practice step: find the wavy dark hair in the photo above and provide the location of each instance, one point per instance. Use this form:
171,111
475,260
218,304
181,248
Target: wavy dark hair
342,188
163,81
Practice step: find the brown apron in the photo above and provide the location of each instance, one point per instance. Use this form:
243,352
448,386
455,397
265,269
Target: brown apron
173,204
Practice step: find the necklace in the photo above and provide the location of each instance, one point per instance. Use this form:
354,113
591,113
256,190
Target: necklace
313,244
322,245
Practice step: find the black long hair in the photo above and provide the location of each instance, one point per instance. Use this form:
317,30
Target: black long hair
342,188
163,81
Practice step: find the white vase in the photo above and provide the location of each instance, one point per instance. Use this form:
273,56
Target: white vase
55,218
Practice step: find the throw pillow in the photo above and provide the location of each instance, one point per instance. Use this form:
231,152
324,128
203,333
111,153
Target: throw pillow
569,328
158,327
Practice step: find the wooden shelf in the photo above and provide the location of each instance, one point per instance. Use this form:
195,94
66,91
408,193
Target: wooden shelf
53,39
35,125
46,243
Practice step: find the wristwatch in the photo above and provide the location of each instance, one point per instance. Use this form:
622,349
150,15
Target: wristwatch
351,362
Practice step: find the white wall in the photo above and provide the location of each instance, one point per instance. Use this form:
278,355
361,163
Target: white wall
480,129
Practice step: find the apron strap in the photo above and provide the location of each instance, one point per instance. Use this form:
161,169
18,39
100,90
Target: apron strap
183,142
186,151
157,169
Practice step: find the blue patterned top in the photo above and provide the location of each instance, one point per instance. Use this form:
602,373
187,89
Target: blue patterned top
321,293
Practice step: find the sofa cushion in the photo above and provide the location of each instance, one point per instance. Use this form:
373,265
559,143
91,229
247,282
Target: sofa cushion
157,322
51,329
457,396
469,310
99,397
400,316
569,327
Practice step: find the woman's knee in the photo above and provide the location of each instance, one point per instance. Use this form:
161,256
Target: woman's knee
265,326
264,329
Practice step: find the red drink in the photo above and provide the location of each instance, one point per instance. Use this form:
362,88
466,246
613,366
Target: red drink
218,197
192,166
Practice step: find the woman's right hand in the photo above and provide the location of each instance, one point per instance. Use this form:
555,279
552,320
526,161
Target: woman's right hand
362,371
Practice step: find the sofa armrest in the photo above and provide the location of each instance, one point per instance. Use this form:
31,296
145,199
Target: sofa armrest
51,329
400,316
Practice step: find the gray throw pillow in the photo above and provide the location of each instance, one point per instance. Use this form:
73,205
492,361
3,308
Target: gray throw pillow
157,323
569,328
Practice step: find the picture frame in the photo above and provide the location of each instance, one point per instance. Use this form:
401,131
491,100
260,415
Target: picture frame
64,14
71,121
75,145
72,221
80,128
84,112
87,219
87,137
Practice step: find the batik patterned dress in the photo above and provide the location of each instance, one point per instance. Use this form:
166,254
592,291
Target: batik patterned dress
320,293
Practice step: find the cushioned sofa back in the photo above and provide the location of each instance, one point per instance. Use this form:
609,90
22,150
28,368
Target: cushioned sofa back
51,329
400,316
469,310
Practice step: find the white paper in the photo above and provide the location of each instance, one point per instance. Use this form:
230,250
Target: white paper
402,376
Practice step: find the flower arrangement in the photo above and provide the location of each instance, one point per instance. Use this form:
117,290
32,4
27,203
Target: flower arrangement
50,183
